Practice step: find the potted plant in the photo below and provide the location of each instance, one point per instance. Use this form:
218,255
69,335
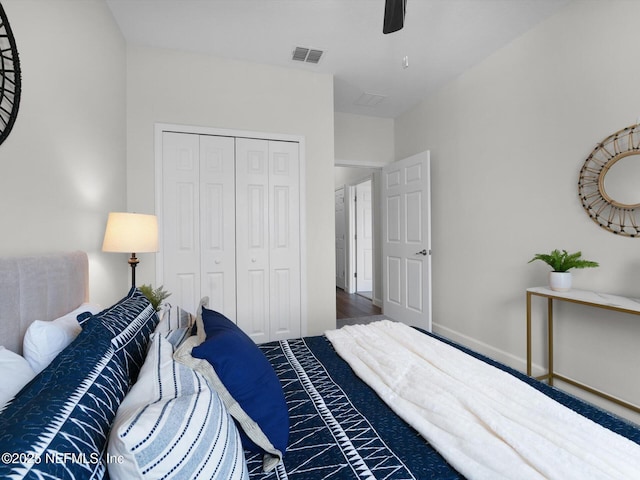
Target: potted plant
561,262
155,296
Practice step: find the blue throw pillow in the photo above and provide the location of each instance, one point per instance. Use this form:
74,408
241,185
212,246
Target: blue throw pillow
60,421
131,322
248,376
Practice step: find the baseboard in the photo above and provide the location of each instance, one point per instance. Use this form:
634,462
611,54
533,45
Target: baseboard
490,351
377,302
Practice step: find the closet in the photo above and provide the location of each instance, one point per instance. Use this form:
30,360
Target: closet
229,215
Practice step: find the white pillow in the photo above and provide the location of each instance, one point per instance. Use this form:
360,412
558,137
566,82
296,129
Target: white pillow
172,423
43,340
15,373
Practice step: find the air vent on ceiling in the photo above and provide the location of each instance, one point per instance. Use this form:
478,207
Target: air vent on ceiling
369,99
308,55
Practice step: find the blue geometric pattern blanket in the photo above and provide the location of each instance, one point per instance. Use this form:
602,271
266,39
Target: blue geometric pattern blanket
340,429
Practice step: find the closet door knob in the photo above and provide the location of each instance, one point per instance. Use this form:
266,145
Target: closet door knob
253,260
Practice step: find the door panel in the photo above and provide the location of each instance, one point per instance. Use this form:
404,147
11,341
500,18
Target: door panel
393,219
281,207
198,215
217,223
393,281
414,218
254,320
284,240
406,227
180,213
218,286
414,285
341,224
364,238
252,226
186,193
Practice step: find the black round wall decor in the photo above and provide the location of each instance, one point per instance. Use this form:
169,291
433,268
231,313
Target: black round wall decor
10,80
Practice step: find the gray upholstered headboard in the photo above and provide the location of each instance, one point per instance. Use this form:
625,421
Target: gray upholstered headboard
41,287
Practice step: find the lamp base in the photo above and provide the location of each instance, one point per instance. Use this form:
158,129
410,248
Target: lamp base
133,261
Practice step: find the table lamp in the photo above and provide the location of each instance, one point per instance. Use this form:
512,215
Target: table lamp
131,233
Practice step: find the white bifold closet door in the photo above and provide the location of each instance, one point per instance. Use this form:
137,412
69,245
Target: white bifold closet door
230,216
198,221
268,239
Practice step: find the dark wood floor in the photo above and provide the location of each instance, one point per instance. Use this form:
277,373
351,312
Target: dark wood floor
352,305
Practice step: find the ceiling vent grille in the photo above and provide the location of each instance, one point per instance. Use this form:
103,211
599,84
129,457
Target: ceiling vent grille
308,55
369,99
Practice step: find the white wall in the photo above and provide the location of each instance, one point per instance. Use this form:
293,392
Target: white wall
352,175
363,140
507,141
62,168
169,86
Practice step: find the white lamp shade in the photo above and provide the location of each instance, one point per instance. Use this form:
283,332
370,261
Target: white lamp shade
131,233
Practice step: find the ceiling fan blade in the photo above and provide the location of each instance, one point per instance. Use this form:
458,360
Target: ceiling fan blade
394,11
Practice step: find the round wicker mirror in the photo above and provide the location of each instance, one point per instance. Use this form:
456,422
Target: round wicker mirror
608,194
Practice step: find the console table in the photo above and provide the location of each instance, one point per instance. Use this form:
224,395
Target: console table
583,297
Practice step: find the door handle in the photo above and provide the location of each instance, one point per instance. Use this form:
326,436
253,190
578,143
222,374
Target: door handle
422,252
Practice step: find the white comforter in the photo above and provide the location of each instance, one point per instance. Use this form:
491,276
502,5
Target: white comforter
485,422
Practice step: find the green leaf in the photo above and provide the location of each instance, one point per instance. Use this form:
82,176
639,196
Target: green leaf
155,296
562,261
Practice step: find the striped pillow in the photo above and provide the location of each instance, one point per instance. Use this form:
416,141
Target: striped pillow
175,324
172,318
172,424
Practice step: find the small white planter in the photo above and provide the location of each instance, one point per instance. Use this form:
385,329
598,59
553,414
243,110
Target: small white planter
560,281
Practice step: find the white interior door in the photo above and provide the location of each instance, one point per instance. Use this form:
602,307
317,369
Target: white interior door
268,239
406,247
341,226
364,239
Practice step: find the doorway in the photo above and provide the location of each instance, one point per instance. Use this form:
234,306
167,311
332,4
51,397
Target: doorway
348,181
363,238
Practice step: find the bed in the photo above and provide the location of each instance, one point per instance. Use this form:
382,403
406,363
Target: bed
137,394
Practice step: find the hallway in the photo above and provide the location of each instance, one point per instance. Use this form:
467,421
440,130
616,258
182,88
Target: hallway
353,305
